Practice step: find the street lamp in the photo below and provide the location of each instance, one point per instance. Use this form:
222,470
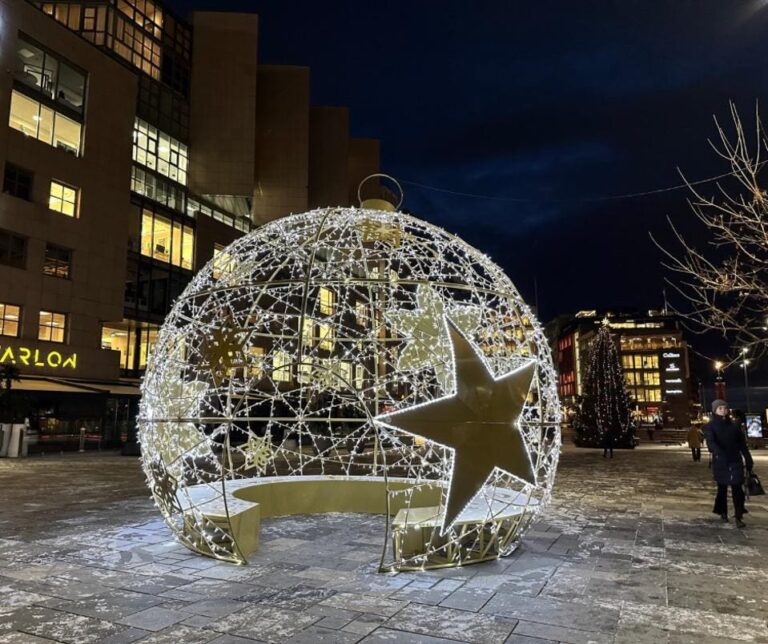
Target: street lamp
719,382
746,379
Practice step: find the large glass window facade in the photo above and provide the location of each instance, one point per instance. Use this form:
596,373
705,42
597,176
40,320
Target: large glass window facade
49,75
134,340
64,199
13,250
166,240
153,187
52,326
160,152
43,123
10,318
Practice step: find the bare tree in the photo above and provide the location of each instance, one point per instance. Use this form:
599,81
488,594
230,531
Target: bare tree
724,283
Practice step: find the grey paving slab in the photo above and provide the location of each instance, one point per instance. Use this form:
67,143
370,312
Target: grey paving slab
84,557
452,623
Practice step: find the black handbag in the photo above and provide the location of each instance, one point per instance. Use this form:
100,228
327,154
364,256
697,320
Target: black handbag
754,487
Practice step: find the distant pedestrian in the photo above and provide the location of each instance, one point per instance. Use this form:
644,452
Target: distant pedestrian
608,444
729,456
694,442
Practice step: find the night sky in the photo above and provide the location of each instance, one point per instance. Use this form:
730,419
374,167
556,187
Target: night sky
547,106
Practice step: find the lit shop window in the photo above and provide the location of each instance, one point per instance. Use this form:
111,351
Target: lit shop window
64,199
159,152
52,327
49,75
58,261
43,123
166,240
9,319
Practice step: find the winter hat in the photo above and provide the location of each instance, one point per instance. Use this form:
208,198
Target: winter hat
718,403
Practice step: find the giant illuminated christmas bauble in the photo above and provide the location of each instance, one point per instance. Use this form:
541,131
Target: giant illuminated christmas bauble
375,359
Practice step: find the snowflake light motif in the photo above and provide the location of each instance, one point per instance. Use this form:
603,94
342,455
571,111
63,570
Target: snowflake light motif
280,355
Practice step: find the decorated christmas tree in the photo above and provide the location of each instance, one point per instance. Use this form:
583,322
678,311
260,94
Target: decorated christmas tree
604,410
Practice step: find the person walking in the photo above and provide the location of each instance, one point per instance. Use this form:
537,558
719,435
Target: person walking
729,456
608,444
694,442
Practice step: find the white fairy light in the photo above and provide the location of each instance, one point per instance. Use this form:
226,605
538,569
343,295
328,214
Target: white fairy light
260,366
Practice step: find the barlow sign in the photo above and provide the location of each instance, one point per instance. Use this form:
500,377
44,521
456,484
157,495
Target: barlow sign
37,358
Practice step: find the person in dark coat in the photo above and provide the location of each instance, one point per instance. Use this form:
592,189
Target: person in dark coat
729,456
608,444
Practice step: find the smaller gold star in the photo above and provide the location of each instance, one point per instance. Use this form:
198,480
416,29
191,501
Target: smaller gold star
223,350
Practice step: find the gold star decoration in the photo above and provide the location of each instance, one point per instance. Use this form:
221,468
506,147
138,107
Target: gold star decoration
223,350
479,422
428,336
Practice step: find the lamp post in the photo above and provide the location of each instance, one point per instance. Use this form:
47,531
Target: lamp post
719,382
744,364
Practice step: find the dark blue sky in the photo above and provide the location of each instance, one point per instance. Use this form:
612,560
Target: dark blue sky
551,103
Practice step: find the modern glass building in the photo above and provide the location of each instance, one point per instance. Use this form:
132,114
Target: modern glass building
654,358
135,146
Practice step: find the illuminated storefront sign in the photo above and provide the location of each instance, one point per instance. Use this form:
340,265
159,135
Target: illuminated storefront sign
674,391
671,354
37,358
672,367
674,381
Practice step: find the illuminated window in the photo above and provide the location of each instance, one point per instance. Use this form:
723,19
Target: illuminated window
50,76
66,14
134,340
326,335
166,240
256,368
52,326
153,187
640,395
627,362
17,182
308,332
58,261
136,46
653,395
650,362
13,250
631,377
159,152
327,301
221,261
64,199
281,366
10,316
345,373
359,376
145,14
652,378
361,312
44,124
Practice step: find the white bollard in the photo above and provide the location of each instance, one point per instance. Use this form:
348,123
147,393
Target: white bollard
14,445
6,438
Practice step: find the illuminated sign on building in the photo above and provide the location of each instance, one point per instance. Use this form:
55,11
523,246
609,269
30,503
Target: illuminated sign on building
671,354
37,358
674,381
672,367
674,391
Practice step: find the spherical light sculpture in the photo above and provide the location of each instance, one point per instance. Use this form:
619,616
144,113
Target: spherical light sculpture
359,361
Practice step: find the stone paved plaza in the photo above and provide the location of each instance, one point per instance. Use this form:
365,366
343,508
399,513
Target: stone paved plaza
628,552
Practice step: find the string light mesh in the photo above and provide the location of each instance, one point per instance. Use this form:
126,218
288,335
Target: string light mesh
280,354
